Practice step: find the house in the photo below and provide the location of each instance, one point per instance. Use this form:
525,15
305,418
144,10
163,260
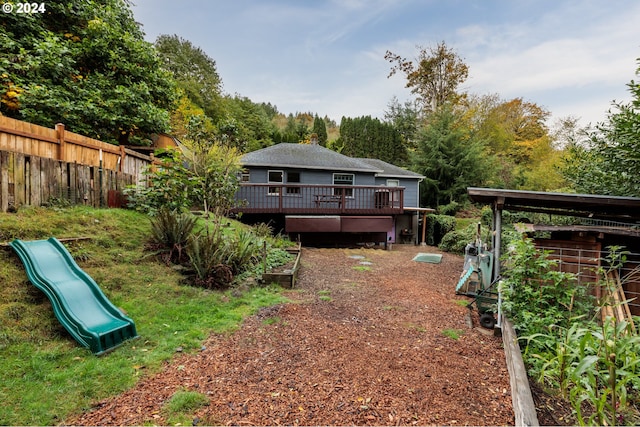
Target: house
320,195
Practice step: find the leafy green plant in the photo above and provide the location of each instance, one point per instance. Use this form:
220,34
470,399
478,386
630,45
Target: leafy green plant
263,230
170,186
438,226
245,253
210,258
455,241
536,296
594,365
170,231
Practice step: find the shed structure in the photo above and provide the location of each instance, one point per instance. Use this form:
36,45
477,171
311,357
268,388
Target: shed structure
601,222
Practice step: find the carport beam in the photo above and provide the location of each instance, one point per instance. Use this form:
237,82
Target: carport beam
497,232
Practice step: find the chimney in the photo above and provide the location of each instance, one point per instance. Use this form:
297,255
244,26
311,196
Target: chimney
314,139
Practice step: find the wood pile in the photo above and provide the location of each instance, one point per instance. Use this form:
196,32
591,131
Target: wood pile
617,304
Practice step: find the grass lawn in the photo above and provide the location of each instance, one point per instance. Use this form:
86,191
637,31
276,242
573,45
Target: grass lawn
46,375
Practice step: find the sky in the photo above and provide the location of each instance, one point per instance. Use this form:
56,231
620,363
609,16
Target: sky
571,57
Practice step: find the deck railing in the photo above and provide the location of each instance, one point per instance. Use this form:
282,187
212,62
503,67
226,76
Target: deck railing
319,199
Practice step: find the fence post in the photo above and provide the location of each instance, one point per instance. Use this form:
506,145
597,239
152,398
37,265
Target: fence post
62,155
123,154
4,181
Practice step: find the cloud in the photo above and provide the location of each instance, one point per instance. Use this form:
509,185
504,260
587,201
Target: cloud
328,56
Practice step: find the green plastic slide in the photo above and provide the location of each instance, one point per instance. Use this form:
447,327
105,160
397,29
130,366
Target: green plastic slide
77,301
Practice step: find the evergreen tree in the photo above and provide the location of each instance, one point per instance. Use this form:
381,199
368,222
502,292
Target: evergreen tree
320,129
450,157
368,137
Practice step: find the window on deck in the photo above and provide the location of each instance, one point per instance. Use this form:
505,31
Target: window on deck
293,177
343,179
275,176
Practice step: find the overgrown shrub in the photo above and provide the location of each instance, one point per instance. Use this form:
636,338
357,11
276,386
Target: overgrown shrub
449,209
438,226
456,240
536,295
171,186
215,255
210,258
170,233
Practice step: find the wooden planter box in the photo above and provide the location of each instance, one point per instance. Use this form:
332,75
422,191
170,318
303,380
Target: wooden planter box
285,278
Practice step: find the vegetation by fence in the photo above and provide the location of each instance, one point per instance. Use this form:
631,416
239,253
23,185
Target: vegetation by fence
38,164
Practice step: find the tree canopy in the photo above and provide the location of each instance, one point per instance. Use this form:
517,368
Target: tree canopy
370,138
607,160
450,156
195,73
84,63
435,76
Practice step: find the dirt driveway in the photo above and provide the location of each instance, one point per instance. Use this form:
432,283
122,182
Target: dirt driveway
370,338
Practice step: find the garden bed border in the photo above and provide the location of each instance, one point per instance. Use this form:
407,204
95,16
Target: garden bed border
524,408
286,278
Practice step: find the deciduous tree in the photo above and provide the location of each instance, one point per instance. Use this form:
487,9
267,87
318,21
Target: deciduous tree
84,63
608,162
434,77
195,73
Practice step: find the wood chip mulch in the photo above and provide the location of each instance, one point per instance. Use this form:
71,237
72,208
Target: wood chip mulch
370,337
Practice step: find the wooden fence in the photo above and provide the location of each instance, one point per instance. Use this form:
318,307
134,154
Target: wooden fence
38,164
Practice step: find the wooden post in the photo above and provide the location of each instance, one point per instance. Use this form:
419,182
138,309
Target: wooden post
123,154
62,155
4,182
424,228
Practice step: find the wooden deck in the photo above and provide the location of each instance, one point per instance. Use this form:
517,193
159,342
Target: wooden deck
319,199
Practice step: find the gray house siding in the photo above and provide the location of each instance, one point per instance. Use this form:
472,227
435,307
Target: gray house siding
411,189
310,176
293,197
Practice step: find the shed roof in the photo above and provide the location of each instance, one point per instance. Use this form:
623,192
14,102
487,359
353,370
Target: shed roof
624,209
305,156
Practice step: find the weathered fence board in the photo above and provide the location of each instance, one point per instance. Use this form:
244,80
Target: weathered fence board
59,144
33,180
38,164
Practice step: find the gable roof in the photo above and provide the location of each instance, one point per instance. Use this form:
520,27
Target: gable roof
305,156
391,171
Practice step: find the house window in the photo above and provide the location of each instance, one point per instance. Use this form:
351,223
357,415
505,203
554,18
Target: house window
245,176
394,195
343,179
274,176
293,178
